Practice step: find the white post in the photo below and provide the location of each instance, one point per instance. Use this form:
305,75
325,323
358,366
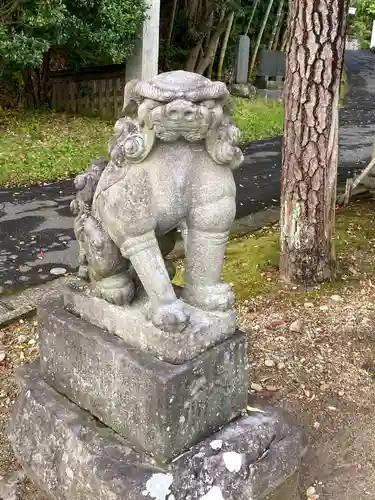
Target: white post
373,36
145,61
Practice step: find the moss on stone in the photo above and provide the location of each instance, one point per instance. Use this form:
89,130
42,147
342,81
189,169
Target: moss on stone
251,264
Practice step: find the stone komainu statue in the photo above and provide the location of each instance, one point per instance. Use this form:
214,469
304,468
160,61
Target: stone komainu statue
171,168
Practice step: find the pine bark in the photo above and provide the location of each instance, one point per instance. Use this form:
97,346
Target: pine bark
310,157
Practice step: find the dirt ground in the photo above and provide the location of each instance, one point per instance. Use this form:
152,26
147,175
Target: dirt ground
316,360
312,353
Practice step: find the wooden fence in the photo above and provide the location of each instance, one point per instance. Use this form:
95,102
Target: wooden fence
93,92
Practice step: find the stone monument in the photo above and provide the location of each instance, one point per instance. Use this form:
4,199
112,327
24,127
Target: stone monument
142,387
271,75
242,60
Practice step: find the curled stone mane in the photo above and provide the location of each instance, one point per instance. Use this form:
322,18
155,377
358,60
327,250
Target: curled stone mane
176,105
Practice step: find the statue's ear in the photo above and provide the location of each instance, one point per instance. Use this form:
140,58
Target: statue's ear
131,98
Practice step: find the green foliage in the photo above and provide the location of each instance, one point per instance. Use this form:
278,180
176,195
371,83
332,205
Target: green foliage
361,25
100,31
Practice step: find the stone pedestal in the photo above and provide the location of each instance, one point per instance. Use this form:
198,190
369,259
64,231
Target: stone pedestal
71,455
160,407
205,330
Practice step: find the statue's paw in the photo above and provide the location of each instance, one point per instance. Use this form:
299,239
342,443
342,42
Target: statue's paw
171,317
118,289
218,297
119,296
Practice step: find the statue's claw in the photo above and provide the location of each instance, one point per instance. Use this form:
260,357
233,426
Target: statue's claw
171,317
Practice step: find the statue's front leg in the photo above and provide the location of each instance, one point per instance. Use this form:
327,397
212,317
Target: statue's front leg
146,257
207,237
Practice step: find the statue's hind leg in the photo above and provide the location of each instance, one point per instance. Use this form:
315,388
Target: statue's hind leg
206,240
107,269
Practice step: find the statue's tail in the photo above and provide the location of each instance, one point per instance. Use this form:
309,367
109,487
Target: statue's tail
86,184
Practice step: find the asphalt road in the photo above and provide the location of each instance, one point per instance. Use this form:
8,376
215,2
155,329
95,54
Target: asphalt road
36,233
258,179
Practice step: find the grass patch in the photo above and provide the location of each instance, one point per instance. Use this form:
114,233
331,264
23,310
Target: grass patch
252,262
38,147
45,146
258,118
262,118
344,89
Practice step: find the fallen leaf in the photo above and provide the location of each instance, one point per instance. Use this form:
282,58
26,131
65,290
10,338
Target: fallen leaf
252,408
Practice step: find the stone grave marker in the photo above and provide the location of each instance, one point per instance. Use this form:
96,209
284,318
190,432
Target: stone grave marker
271,74
242,60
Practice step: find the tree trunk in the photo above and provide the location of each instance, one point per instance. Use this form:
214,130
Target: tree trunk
288,23
276,41
192,8
284,39
193,56
255,5
211,66
276,24
45,78
209,31
259,38
310,156
204,62
171,25
30,97
224,46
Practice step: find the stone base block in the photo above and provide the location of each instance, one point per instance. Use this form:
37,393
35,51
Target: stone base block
159,407
270,94
204,330
71,456
67,452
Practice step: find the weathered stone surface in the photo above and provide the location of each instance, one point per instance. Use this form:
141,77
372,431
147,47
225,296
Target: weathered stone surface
248,459
242,59
9,315
204,330
160,407
67,452
243,90
10,485
71,456
271,63
171,165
